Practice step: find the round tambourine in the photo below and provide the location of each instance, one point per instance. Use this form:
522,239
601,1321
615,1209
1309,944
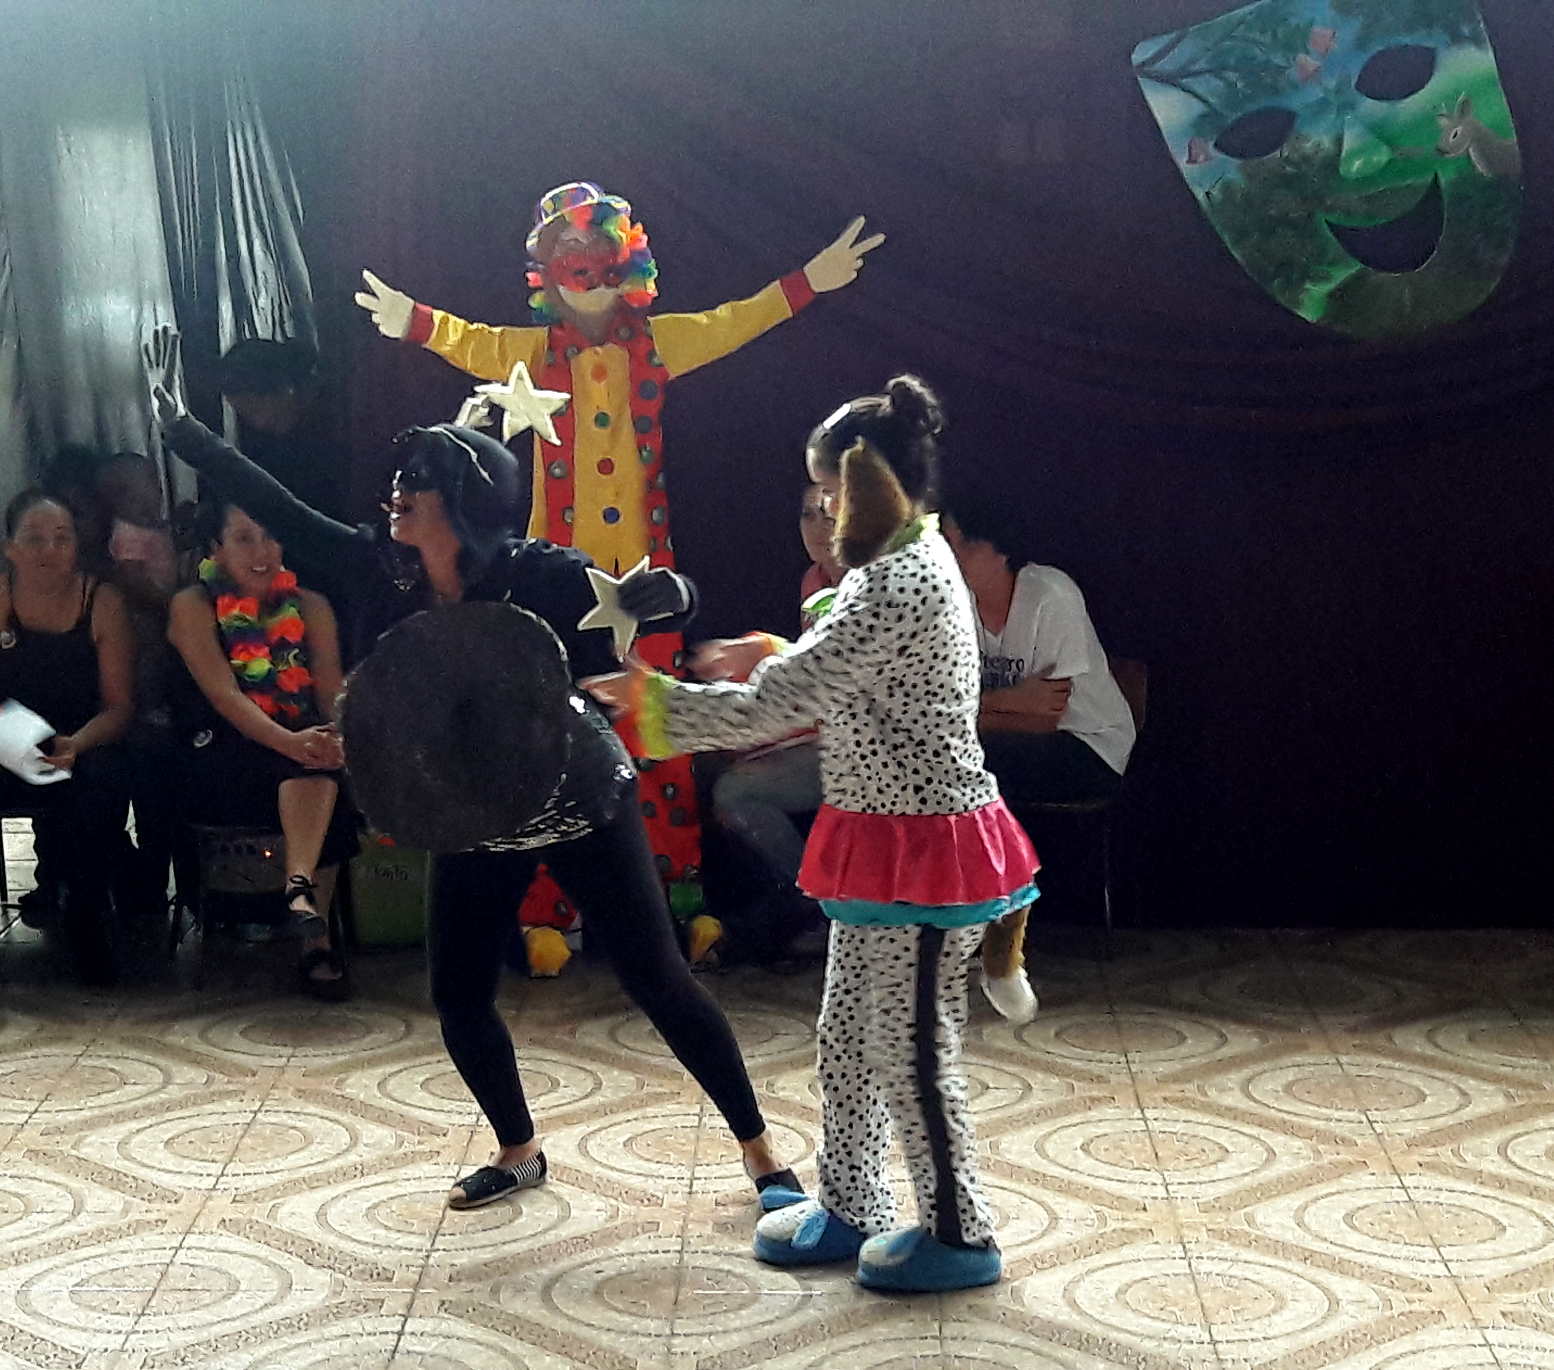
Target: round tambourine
458,726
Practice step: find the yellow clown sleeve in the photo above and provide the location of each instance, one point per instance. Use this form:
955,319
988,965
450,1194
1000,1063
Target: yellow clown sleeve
686,341
481,349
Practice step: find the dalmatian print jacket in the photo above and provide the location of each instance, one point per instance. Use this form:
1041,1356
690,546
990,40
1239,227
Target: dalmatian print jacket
893,673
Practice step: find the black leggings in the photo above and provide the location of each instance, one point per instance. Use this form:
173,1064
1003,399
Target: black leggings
610,876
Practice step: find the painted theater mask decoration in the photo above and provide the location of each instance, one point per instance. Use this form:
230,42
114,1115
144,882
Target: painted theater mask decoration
1358,157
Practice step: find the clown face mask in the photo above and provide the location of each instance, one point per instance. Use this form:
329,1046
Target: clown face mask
1357,156
587,275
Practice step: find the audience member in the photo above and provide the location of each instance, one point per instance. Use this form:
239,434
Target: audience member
266,657
761,797
270,388
70,475
66,653
144,565
1054,725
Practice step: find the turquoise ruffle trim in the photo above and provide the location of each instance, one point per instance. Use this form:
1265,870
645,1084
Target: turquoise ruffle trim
866,913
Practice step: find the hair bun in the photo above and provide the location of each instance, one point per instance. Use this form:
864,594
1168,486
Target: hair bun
915,404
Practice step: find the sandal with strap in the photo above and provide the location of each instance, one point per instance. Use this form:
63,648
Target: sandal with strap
307,922
493,1182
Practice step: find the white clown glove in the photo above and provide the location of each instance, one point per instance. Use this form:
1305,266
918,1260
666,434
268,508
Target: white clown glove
839,264
390,308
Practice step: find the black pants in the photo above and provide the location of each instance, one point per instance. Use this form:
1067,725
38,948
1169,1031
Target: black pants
79,838
1048,768
610,876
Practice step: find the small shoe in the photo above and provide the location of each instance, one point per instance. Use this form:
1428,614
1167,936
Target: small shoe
914,1261
779,1189
805,1234
546,951
493,1182
306,921
704,942
332,989
1011,995
38,908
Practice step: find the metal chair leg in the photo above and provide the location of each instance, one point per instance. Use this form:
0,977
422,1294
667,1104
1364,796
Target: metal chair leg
1106,876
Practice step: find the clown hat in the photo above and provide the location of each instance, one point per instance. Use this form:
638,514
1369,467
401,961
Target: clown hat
555,204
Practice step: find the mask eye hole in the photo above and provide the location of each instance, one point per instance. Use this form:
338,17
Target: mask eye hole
1397,72
1257,133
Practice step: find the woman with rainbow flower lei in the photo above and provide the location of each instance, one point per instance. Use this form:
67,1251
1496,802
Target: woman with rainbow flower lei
265,654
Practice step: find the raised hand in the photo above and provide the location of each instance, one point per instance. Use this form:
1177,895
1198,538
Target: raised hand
616,692
838,265
164,374
728,658
390,309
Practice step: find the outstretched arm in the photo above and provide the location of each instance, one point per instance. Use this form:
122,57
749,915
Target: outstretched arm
837,659
477,348
687,341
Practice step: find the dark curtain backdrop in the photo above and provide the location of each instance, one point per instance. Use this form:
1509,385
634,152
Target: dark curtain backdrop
139,185
230,209
1335,557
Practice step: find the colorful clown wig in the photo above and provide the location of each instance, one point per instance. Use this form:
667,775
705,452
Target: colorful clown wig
606,219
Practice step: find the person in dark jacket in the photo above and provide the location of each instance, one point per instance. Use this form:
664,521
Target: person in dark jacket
450,538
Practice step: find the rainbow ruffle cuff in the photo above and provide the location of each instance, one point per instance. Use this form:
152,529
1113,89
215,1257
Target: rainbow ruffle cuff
650,714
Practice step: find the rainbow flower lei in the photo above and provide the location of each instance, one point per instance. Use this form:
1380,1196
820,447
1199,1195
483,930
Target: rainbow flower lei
265,643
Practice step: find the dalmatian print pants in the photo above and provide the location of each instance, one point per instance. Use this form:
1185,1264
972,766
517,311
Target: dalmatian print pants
891,1019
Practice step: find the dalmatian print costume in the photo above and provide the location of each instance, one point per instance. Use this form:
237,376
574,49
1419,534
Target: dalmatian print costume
913,854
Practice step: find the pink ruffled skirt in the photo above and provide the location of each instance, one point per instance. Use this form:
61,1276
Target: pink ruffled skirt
926,859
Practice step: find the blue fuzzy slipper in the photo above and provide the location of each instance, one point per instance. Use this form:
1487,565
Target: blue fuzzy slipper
913,1260
805,1234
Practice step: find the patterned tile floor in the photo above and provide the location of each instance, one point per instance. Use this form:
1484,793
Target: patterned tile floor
1236,1151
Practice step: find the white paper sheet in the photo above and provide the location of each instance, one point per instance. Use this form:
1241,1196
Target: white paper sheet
21,731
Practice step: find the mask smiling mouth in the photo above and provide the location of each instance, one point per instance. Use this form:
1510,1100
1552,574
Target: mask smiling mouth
596,301
1399,245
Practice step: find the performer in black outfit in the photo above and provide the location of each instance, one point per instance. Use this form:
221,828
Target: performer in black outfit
450,539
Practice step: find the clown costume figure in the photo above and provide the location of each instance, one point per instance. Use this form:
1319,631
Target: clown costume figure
912,855
599,482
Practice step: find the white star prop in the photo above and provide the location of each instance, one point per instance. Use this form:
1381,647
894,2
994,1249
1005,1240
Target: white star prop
523,405
607,612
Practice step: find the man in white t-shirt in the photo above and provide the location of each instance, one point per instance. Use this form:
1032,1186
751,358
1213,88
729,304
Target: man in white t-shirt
1054,724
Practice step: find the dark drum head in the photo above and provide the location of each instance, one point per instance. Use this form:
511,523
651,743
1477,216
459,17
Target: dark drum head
456,726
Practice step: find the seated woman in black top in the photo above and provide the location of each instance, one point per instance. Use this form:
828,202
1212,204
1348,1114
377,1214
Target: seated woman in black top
265,654
66,653
451,538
